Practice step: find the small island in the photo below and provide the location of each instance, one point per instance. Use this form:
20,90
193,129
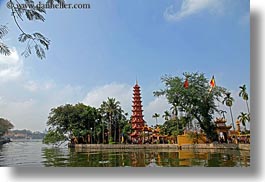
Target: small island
190,124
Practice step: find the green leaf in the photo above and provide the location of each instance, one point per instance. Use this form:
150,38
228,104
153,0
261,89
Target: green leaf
4,49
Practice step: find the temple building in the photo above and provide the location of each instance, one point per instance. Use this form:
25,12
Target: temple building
222,129
137,120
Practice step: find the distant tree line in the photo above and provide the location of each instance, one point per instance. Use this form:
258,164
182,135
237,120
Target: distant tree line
26,134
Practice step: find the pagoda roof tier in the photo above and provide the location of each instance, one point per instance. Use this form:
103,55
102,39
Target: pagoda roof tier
137,114
137,102
137,108
220,120
137,117
135,134
137,121
137,128
137,99
137,111
137,105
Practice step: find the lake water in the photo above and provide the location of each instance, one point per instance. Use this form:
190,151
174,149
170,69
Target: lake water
33,153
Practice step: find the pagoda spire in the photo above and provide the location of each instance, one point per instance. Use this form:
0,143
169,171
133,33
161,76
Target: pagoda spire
137,115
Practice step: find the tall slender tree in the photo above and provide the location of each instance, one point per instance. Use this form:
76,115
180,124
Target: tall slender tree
223,113
156,115
166,115
228,101
243,93
111,111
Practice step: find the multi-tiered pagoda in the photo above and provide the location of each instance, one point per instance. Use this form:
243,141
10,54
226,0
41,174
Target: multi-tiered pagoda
137,115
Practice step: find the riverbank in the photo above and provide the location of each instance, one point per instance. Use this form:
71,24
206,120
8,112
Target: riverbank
161,146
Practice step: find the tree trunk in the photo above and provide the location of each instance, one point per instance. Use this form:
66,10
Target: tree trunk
232,118
247,107
115,132
103,133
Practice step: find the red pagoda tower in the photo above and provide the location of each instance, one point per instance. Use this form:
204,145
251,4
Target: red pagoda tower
137,115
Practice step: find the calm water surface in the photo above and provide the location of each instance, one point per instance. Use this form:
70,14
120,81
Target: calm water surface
33,153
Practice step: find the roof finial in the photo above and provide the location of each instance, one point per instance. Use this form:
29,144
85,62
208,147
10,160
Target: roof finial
136,81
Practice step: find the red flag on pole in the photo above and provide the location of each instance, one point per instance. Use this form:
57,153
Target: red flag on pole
186,83
212,82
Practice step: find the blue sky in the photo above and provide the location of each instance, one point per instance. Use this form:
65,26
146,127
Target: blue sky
99,52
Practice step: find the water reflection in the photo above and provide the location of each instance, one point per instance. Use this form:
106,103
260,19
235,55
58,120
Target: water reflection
144,158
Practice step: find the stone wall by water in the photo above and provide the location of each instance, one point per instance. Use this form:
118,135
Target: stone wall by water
123,146
161,146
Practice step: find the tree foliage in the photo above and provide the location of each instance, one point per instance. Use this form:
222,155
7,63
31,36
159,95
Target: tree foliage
5,125
3,47
21,10
113,114
228,101
54,137
243,93
243,118
73,121
197,100
156,115
85,124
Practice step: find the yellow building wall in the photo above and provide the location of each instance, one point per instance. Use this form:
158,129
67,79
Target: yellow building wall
185,139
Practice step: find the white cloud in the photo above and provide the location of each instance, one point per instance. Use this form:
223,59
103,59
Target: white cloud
28,110
34,86
11,67
192,7
158,105
124,94
121,92
22,113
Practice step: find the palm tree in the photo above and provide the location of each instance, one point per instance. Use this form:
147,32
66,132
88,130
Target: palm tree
243,118
228,100
243,93
156,116
223,113
174,109
111,111
166,115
